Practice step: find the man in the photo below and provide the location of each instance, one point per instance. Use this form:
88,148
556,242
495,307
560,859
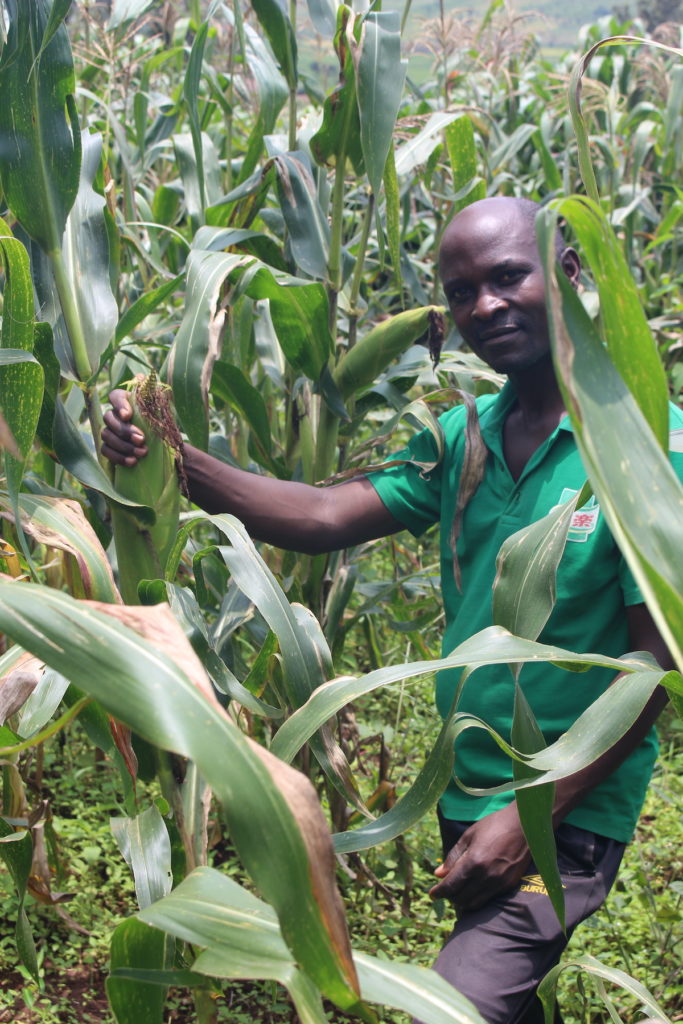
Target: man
506,936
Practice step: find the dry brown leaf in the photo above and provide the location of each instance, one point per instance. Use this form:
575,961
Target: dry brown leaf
73,513
303,802
18,684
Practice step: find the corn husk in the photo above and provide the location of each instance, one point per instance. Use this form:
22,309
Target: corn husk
142,550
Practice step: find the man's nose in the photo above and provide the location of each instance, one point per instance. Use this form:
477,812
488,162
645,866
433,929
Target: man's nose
488,304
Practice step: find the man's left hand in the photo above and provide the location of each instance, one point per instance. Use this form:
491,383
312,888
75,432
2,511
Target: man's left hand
490,857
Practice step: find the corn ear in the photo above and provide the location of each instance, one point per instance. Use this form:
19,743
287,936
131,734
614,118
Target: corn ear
142,550
380,346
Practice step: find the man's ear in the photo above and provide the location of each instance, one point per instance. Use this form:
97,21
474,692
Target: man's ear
571,264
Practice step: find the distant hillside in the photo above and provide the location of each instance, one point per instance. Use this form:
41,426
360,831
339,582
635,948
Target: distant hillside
557,25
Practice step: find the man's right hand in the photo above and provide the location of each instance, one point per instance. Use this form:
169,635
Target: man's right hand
122,443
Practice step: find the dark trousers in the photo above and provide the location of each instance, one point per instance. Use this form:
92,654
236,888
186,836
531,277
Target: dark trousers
497,955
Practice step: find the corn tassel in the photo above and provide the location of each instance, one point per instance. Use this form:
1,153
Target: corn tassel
142,550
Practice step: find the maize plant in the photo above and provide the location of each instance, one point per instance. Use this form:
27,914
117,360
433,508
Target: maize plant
200,214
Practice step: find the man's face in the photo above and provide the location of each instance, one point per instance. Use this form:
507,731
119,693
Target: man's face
494,284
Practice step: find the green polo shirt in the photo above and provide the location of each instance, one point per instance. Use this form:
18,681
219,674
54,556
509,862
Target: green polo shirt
593,587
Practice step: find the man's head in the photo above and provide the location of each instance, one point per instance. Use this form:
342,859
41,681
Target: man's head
494,283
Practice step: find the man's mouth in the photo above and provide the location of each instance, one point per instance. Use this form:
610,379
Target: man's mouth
501,331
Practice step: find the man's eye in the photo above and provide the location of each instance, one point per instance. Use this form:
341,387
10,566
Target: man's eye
510,276
458,294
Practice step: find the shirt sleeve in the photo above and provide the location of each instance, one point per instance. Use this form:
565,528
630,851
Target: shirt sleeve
411,493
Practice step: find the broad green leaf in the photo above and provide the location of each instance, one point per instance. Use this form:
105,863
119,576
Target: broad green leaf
185,607
127,10
146,849
40,142
491,646
242,940
593,967
191,86
86,255
338,138
393,215
230,385
26,946
145,305
250,194
323,16
526,571
639,493
380,75
18,857
462,155
135,944
592,735
415,990
197,343
275,22
419,148
239,932
306,658
307,227
201,183
280,834
58,13
273,92
42,704
623,324
535,805
21,379
299,312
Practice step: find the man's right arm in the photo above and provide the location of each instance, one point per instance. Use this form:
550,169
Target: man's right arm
293,516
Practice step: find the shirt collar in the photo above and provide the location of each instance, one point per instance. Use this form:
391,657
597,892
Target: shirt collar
493,418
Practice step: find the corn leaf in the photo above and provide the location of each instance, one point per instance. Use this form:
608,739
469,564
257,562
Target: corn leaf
638,490
309,233
16,850
191,86
242,939
380,75
462,155
526,571
40,148
623,325
60,523
338,137
197,343
275,22
535,805
138,945
280,832
21,376
127,10
593,967
87,259
146,849
323,16
272,91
